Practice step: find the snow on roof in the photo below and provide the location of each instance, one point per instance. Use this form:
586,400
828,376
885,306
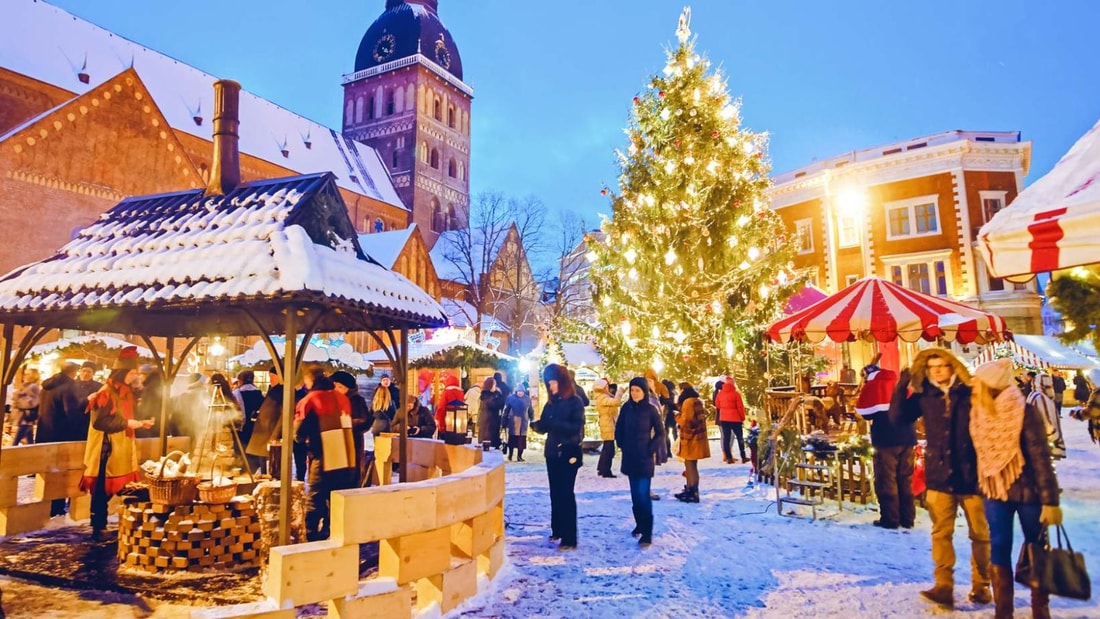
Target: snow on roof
81,340
386,247
448,255
46,43
343,353
266,239
577,354
461,314
428,349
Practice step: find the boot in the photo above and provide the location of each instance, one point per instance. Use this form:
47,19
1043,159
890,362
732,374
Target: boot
944,595
1003,592
684,495
1040,604
980,595
694,498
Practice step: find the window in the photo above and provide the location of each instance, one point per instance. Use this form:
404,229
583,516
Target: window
461,171
451,116
438,224
393,160
992,202
370,108
912,218
848,230
359,110
452,217
452,168
434,159
437,109
390,103
424,152
927,276
379,225
349,112
850,279
805,236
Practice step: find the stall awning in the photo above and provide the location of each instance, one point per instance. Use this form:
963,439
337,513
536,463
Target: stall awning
1040,351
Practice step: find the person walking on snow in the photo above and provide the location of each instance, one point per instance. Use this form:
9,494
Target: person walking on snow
936,388
731,419
562,421
518,414
694,445
608,407
893,446
641,437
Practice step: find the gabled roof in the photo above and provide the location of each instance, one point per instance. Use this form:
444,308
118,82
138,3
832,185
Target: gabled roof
184,263
51,45
455,243
386,247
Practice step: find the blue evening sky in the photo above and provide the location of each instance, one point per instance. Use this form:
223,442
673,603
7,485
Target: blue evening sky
554,80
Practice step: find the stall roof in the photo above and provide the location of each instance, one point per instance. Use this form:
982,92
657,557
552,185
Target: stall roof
185,263
419,352
1053,352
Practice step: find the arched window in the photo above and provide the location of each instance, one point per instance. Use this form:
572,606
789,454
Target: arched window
452,168
393,159
437,109
438,222
349,112
434,159
359,110
451,116
461,172
424,152
370,107
379,225
390,103
452,217
398,100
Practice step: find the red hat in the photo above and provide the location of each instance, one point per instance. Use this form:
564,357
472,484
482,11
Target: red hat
127,359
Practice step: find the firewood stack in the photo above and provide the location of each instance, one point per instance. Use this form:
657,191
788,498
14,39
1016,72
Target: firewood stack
198,537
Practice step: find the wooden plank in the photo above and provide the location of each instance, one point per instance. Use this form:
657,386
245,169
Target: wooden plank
461,497
449,588
377,597
311,573
370,514
23,518
472,537
419,555
494,483
252,610
28,459
9,491
57,485
490,562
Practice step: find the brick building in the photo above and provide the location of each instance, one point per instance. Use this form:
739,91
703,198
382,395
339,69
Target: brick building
406,98
909,212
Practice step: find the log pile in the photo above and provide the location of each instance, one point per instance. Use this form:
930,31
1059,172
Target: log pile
198,537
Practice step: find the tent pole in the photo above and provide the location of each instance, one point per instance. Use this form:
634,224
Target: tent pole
401,371
290,371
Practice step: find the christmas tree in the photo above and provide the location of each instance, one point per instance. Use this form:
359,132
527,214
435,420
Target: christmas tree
693,263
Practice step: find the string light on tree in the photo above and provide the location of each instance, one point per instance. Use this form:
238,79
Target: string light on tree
693,183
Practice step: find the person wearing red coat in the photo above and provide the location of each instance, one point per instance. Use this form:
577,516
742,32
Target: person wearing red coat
452,397
731,419
322,422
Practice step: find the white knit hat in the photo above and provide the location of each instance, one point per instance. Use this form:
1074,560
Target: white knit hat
995,374
600,384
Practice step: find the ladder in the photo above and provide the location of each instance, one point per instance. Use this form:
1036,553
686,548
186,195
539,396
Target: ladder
811,483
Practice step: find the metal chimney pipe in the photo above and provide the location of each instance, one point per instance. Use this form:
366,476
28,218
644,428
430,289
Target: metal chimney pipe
225,173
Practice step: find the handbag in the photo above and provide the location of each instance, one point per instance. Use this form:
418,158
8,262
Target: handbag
1063,571
1029,563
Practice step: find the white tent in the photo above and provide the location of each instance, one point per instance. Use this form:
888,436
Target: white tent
1053,223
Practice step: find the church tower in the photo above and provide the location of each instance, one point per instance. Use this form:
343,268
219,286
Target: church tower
407,99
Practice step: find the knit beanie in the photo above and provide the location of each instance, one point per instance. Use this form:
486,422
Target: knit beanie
996,375
127,359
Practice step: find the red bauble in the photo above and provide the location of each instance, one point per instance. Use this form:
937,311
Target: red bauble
603,192
736,203
714,135
762,214
661,94
759,155
676,142
637,100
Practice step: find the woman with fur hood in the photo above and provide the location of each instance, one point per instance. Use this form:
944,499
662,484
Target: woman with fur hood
1015,475
562,422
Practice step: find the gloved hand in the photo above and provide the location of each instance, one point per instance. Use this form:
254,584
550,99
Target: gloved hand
1050,516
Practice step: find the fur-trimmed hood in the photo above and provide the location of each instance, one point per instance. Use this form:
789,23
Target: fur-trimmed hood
918,370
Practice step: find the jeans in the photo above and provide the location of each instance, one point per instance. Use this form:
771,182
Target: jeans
642,504
563,499
894,485
731,430
944,508
607,452
999,514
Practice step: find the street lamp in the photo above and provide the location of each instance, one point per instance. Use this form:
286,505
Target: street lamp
851,203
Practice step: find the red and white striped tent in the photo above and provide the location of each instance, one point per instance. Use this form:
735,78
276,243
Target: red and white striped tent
875,309
1053,224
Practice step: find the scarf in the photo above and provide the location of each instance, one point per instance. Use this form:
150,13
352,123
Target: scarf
116,399
995,428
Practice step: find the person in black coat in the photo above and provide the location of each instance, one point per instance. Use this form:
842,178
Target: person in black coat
361,419
60,413
562,422
893,446
641,438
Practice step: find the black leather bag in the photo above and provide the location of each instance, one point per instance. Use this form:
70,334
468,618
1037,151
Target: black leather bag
1064,573
1029,563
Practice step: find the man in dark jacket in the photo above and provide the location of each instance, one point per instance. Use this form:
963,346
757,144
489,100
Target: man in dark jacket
893,445
60,415
86,385
937,388
361,419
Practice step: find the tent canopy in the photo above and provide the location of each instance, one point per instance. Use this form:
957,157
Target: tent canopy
1052,224
875,309
1040,351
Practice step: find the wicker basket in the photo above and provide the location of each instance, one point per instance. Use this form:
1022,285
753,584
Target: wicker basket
209,493
171,490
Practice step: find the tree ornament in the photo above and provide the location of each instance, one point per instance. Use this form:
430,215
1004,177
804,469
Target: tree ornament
637,100
692,112
603,192
661,94
714,134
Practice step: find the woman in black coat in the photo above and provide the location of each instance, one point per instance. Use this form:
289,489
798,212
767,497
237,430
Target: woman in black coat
641,437
562,422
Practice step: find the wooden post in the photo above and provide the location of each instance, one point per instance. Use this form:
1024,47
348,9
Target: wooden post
166,387
5,369
290,373
401,373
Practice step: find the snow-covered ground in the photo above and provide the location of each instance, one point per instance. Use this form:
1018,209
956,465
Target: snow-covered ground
729,556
